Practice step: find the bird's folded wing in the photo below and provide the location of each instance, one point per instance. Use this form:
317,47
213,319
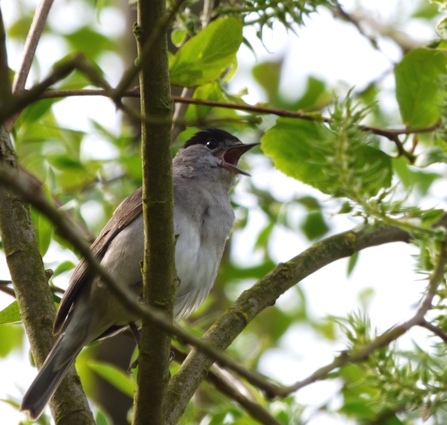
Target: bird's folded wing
126,212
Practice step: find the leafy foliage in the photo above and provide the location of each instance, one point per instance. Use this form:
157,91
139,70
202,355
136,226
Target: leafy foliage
417,86
205,57
268,12
335,160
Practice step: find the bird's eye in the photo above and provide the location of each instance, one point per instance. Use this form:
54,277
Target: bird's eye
211,144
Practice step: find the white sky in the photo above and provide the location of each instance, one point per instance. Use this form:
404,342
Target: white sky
335,52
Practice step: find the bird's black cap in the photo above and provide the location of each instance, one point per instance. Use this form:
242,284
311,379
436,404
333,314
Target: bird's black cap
204,136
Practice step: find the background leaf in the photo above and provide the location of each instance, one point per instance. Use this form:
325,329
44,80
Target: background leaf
203,58
305,150
119,379
10,314
418,86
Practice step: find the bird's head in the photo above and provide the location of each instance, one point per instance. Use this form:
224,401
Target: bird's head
214,147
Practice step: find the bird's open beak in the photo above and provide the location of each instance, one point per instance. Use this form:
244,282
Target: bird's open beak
232,155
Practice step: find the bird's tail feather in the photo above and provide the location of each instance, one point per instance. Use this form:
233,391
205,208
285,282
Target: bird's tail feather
48,379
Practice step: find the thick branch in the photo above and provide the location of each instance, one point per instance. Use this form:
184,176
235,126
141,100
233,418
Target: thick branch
389,336
69,405
262,295
159,281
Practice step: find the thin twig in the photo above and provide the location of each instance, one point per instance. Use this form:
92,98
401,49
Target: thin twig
384,339
226,387
179,113
34,34
4,287
435,329
39,20
159,30
385,132
340,13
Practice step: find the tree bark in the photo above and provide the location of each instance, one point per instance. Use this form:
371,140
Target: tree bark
69,404
158,269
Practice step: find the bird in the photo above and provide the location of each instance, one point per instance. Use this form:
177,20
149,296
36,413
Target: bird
204,171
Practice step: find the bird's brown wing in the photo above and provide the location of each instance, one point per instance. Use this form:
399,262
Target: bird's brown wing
126,212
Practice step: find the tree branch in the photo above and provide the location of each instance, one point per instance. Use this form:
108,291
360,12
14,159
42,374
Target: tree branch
389,133
226,387
158,32
384,339
180,111
39,19
69,405
262,295
29,51
159,277
435,329
5,286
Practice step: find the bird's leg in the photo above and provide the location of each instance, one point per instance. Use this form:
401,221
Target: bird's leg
136,335
135,332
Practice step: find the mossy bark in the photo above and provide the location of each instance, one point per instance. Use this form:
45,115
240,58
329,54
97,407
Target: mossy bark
69,405
158,269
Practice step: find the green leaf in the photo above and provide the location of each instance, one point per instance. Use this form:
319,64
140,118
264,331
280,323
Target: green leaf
119,379
417,86
298,149
425,11
264,235
211,91
267,75
375,167
64,162
10,314
20,28
315,91
203,58
305,150
75,81
431,216
314,226
44,231
63,267
311,203
36,110
352,263
442,4
412,177
178,37
11,337
91,43
102,418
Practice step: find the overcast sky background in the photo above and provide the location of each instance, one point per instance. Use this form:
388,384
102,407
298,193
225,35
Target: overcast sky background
335,52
